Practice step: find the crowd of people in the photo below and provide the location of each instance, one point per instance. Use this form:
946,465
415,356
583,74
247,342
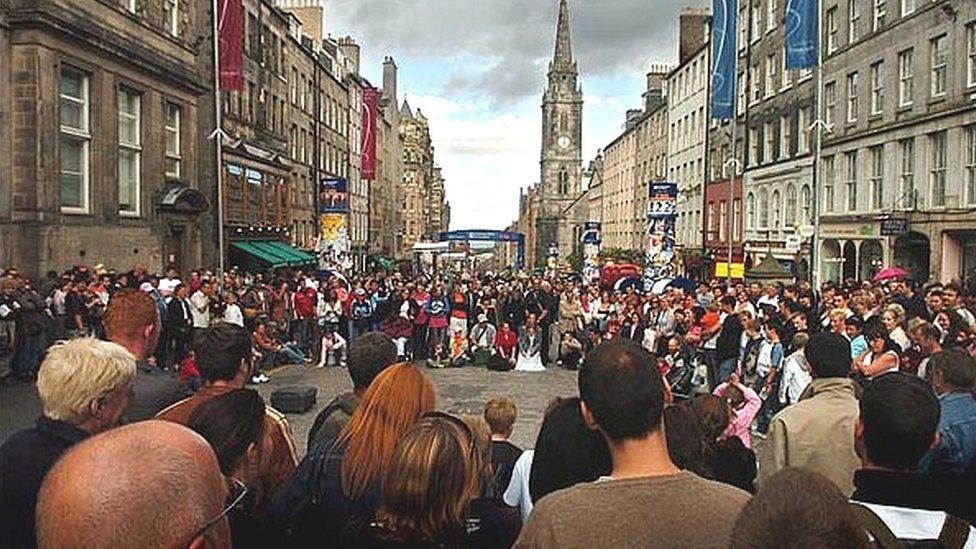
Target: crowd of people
743,415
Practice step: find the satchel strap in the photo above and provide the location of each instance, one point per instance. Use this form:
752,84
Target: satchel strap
955,532
871,522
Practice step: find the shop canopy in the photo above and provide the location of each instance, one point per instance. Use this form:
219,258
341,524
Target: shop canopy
275,254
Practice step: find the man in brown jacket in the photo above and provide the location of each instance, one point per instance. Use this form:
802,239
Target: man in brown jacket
223,356
817,433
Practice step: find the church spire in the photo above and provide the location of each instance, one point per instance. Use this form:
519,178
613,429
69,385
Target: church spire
563,56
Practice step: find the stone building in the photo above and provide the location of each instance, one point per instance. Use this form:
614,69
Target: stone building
418,172
561,156
104,117
688,86
358,226
438,217
385,202
778,176
899,85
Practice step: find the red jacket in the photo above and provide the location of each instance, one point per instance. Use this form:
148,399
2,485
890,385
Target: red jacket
305,301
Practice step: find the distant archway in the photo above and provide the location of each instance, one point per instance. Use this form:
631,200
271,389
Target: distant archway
912,253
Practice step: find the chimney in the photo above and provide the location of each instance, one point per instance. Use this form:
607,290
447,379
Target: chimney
654,95
350,50
390,79
692,24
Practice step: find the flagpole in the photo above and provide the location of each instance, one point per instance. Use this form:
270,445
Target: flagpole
732,164
218,138
818,126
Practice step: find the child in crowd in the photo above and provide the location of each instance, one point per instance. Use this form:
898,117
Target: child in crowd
854,326
500,415
189,373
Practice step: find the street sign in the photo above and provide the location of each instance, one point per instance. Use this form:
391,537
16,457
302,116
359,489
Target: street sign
793,243
894,227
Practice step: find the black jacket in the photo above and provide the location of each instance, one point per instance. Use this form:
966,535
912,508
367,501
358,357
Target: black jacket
952,494
25,458
729,338
179,319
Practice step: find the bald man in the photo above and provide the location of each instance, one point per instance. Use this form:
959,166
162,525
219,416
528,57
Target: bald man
149,484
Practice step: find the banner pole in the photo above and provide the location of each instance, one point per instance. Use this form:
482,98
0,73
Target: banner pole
218,137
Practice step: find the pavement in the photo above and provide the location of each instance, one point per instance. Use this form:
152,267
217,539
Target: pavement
459,390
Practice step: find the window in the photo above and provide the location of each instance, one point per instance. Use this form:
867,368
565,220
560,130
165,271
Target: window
790,216
756,83
171,17
763,208
771,15
753,146
756,18
940,64
971,55
852,101
806,204
877,87
777,207
803,130
831,25
830,103
877,177
880,11
971,165
937,177
853,20
743,28
130,150
785,136
751,211
851,182
73,140
906,78
771,67
769,146
829,178
174,115
785,75
740,96
907,7
907,190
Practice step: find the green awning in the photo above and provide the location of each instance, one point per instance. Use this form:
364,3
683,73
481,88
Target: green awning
270,249
303,258
252,250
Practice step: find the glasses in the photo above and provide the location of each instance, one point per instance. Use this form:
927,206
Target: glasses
236,493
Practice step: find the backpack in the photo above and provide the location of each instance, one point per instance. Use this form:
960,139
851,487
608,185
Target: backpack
954,534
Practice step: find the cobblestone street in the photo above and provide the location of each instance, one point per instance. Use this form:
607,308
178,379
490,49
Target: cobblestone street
458,390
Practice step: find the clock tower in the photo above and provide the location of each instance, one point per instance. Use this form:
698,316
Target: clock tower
562,157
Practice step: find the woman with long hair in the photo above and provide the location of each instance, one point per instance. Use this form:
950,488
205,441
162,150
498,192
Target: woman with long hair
339,482
725,457
432,479
234,425
893,319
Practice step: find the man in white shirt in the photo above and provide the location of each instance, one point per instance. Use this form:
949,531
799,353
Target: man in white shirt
168,284
200,301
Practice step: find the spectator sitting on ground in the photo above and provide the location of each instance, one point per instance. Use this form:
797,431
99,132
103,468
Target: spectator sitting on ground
333,348
500,415
798,508
132,321
817,433
149,484
223,357
898,422
725,457
368,355
233,424
647,501
84,385
953,378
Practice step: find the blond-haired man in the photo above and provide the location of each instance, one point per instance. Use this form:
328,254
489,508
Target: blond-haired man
85,385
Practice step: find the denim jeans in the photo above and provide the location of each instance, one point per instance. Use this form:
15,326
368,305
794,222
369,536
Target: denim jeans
724,370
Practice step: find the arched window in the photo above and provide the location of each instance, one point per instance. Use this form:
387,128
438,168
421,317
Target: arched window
777,209
751,211
563,182
763,208
790,216
806,204
563,122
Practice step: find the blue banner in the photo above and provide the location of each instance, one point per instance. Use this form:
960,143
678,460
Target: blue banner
723,58
333,195
802,36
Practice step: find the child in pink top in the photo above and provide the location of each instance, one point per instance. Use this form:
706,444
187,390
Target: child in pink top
743,403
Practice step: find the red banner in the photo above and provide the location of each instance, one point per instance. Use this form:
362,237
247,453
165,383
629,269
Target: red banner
230,25
370,100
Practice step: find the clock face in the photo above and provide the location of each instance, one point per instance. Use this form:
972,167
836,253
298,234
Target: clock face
563,142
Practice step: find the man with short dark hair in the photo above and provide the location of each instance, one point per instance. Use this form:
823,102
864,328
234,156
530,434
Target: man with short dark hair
223,356
817,432
646,501
927,337
897,425
953,379
729,342
368,355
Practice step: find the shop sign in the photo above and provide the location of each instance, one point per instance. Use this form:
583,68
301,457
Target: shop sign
894,227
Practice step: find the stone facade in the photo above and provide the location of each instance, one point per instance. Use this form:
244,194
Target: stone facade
385,201
103,123
899,95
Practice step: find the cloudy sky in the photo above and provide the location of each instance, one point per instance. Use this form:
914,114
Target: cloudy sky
476,68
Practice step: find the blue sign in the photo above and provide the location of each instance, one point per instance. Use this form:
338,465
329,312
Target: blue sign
489,236
333,195
723,58
802,36
591,233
